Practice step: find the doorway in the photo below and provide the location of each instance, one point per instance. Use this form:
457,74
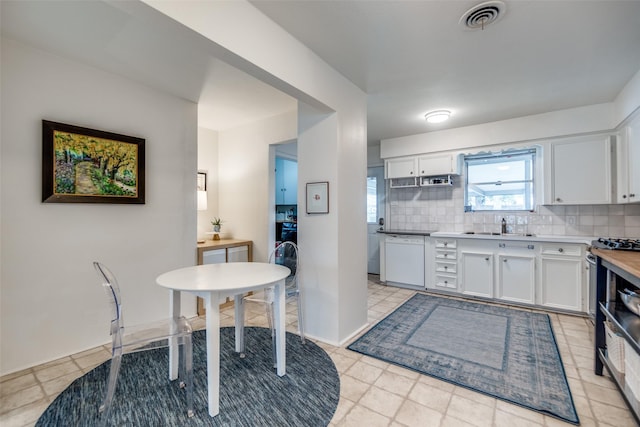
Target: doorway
375,216
285,188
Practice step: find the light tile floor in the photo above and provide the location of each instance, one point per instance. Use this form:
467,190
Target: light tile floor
372,392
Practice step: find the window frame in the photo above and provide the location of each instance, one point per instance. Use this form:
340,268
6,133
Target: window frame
533,183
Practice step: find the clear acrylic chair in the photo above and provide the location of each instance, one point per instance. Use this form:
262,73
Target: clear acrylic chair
285,254
143,337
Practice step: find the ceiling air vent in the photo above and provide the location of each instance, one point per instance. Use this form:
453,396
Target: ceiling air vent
482,15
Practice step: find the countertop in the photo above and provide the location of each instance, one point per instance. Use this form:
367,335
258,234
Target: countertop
533,238
627,260
408,232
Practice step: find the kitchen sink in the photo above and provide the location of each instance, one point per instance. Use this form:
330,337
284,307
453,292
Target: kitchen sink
489,233
482,233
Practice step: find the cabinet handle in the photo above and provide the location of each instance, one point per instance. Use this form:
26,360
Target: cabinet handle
446,255
624,196
445,244
411,173
560,250
558,199
504,260
445,267
632,195
486,259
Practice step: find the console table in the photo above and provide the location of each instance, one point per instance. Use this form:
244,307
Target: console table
225,244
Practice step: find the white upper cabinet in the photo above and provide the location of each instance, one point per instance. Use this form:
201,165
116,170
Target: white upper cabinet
405,167
286,182
628,163
441,164
578,171
425,165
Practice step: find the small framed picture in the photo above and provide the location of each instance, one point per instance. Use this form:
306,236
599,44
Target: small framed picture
318,197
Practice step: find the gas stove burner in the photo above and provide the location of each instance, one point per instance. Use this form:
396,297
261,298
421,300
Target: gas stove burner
617,244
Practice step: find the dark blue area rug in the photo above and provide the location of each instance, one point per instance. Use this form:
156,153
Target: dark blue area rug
251,394
505,353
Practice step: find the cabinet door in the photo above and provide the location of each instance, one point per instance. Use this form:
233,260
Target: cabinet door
435,165
476,274
581,171
215,256
516,278
290,182
628,159
400,168
279,181
286,182
633,143
561,282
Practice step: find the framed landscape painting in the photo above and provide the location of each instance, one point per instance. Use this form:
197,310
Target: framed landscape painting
81,165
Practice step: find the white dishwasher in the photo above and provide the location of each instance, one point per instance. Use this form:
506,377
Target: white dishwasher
404,259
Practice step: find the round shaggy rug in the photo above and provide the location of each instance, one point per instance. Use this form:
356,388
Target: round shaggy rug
251,394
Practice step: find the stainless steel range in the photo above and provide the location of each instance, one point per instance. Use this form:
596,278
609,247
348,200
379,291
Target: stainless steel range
617,244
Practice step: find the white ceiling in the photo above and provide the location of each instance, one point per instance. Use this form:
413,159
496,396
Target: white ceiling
413,56
409,56
131,39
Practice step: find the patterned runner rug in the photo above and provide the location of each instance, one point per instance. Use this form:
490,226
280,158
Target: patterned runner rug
505,353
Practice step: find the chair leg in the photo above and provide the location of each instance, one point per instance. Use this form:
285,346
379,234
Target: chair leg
114,369
187,372
300,321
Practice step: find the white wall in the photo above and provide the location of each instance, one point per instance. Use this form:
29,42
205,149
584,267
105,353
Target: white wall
245,192
592,118
628,100
253,43
208,162
581,120
52,304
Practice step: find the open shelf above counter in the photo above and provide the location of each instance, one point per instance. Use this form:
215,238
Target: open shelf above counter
436,181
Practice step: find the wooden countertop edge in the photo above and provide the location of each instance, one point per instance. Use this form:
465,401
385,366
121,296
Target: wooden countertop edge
223,243
628,261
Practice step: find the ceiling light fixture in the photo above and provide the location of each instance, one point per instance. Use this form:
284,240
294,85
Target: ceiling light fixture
437,116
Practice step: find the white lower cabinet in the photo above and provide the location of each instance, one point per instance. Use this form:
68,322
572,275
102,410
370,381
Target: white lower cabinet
476,273
563,277
516,278
446,265
530,272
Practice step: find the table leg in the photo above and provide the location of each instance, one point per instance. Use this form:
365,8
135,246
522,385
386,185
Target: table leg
279,308
239,319
174,312
212,307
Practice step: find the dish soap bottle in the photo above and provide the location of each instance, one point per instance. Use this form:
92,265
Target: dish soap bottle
504,226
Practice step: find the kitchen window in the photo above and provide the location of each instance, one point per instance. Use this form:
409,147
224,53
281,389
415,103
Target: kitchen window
501,181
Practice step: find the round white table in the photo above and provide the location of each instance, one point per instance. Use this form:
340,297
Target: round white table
213,283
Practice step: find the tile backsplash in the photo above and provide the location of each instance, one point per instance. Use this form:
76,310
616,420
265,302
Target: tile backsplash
442,209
